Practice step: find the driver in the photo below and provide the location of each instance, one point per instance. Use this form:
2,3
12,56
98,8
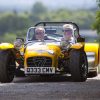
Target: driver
67,39
39,33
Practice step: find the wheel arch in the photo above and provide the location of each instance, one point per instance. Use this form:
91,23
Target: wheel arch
5,46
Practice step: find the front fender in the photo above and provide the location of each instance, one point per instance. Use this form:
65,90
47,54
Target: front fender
5,46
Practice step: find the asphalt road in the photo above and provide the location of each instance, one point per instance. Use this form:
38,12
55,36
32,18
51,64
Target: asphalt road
55,88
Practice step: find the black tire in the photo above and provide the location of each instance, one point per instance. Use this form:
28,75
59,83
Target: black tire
78,65
7,66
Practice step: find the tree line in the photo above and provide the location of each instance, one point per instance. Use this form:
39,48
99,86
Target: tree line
96,24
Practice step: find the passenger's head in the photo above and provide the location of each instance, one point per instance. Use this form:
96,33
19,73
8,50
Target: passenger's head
39,33
67,31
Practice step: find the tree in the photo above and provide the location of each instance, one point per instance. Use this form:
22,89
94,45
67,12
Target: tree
96,25
38,8
98,1
11,22
38,12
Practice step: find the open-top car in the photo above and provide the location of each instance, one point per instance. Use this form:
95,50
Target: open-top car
44,57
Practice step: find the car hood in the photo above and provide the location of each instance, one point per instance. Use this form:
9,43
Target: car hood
43,48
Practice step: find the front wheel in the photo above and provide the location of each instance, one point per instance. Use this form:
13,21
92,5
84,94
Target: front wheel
7,66
78,65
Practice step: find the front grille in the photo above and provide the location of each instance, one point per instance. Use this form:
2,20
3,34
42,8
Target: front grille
39,62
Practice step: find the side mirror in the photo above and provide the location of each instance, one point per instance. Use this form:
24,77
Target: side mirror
18,43
21,39
80,39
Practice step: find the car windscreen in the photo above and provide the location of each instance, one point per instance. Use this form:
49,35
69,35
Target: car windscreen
51,33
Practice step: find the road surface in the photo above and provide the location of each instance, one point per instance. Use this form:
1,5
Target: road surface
55,88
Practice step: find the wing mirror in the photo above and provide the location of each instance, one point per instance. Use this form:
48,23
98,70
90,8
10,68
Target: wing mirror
21,39
18,43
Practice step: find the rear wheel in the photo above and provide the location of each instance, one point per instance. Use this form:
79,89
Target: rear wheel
7,66
78,65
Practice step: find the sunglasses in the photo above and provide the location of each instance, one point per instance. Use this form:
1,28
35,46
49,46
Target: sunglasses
39,33
68,30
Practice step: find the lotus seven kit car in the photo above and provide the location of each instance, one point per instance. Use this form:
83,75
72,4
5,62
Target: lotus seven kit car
45,57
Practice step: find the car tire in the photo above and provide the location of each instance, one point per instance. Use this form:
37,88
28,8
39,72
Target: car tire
78,65
7,66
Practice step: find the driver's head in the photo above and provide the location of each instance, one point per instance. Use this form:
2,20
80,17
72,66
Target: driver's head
67,31
39,33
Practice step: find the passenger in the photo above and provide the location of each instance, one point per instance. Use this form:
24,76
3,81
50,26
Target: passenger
67,39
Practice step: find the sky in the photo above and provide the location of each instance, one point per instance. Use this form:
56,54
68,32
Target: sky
72,4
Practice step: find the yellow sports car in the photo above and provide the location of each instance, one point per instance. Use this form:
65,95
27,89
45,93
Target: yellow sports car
45,57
